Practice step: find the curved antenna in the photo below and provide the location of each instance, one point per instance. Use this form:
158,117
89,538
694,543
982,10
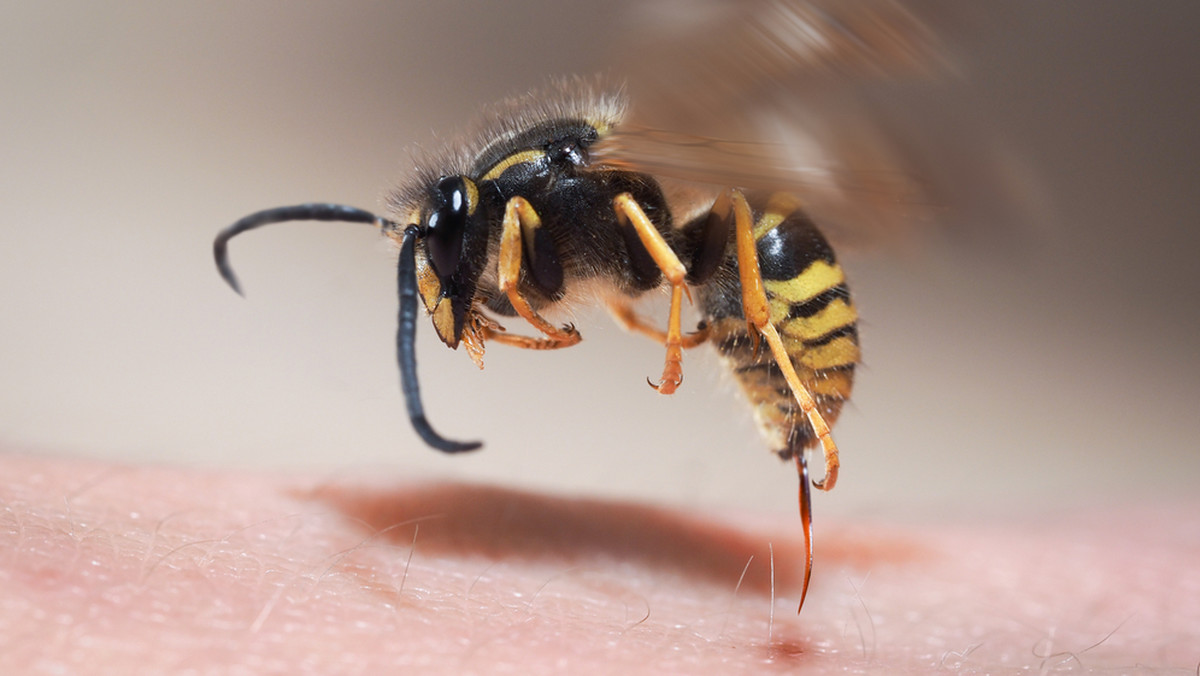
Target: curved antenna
299,212
405,334
406,354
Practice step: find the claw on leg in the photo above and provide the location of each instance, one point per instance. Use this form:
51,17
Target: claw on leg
672,375
631,214
531,343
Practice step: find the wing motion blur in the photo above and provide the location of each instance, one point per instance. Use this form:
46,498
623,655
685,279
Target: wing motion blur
811,97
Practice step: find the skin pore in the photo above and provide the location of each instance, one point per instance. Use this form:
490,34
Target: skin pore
120,569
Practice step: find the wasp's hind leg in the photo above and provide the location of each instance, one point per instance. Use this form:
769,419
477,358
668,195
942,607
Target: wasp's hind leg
624,314
521,229
757,312
630,214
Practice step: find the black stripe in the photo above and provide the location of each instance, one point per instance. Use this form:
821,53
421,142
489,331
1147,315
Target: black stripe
740,345
791,247
818,302
769,367
850,330
733,343
785,392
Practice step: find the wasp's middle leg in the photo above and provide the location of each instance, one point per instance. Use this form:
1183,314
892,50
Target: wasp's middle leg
629,213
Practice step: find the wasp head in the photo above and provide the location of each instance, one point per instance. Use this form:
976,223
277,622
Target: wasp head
453,240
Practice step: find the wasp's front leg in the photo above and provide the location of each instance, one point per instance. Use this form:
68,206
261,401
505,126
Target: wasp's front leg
521,228
497,333
480,328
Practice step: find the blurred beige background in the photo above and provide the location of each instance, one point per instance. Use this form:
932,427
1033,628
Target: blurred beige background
1047,363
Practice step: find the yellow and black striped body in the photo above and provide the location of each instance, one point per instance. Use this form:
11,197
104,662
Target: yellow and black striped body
810,306
531,223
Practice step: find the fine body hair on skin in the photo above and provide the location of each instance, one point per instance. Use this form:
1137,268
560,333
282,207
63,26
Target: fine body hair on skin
118,569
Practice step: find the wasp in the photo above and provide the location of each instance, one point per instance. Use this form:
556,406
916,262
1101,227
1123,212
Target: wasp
558,201
519,225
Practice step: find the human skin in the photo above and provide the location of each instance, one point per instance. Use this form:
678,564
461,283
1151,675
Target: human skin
120,569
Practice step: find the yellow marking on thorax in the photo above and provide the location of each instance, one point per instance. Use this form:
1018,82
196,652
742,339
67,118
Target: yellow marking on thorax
515,158
837,314
601,126
816,279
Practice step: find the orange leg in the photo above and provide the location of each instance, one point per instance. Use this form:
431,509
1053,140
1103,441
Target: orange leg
525,342
628,212
624,314
758,317
482,328
519,215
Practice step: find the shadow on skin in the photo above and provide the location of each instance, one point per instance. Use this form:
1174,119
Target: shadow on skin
509,524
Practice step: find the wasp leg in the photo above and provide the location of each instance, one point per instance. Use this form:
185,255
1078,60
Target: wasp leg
520,218
624,314
524,342
481,328
629,213
758,317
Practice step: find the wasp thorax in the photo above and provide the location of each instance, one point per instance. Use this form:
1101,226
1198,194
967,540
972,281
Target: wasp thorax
453,202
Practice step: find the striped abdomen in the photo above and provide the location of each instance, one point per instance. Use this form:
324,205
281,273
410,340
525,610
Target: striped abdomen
810,307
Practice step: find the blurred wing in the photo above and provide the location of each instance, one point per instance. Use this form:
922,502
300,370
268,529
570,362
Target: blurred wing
856,199
696,61
795,95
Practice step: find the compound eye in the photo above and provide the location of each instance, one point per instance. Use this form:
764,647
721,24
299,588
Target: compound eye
447,225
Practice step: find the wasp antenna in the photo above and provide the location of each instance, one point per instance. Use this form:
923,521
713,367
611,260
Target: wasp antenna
299,212
406,354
